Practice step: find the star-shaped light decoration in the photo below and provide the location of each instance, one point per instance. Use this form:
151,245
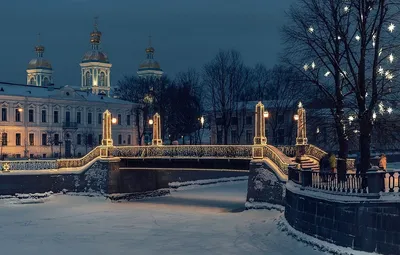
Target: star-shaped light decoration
351,118
339,38
358,38
305,67
380,70
391,58
327,74
380,51
343,74
300,105
390,110
346,9
381,108
311,29
374,115
313,65
391,27
388,75
6,167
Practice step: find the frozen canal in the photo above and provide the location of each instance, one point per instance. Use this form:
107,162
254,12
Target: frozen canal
201,220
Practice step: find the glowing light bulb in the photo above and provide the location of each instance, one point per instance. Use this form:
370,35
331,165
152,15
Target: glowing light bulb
305,67
311,29
346,9
390,110
358,37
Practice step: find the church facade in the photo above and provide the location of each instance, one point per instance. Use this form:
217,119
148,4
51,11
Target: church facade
41,120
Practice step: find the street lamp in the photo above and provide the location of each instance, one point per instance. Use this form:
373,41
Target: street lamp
266,114
296,117
114,120
202,121
20,109
150,122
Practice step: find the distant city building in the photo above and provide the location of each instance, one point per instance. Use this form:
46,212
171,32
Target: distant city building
41,122
150,67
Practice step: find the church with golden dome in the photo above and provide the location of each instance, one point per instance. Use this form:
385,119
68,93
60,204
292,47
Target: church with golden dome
39,71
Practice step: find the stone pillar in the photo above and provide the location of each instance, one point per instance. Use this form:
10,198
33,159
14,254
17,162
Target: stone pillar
301,139
107,135
156,130
259,133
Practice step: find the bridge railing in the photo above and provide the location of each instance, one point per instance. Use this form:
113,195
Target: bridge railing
11,165
65,163
281,160
288,150
229,151
317,153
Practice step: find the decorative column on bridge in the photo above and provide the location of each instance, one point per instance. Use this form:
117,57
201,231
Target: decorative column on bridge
259,133
107,135
301,139
156,130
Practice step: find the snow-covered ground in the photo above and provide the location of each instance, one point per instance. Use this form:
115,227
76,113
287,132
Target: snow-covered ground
199,220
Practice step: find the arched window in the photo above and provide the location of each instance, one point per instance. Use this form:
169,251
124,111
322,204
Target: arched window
102,79
32,81
46,81
88,79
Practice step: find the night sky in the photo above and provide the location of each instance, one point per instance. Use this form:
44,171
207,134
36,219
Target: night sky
185,33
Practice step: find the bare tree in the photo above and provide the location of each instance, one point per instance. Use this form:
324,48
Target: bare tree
226,78
51,141
88,139
315,50
3,142
362,37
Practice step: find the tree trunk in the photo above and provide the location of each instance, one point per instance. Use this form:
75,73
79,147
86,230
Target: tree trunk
341,162
365,143
226,135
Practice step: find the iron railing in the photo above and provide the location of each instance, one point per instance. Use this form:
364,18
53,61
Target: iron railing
28,165
65,163
225,151
318,154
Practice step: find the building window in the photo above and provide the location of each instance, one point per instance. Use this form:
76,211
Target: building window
17,115
18,155
100,139
45,81
249,137
281,136
249,120
44,155
44,139
281,119
129,139
88,79
234,121
31,156
99,118
119,139
3,114
30,116
78,139
4,139
90,139
119,119
32,81
234,136
18,139
56,139
44,117
219,137
31,139
78,117
89,118
102,79
128,120
55,116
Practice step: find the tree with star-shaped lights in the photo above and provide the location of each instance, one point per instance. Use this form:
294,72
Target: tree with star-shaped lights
348,50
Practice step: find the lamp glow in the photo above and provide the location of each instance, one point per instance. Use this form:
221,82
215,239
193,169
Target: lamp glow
296,117
114,120
266,114
150,122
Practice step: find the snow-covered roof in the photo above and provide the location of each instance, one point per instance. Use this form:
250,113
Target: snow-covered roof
62,93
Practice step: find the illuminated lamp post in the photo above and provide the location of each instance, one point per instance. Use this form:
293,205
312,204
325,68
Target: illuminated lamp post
259,133
301,139
156,130
107,141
